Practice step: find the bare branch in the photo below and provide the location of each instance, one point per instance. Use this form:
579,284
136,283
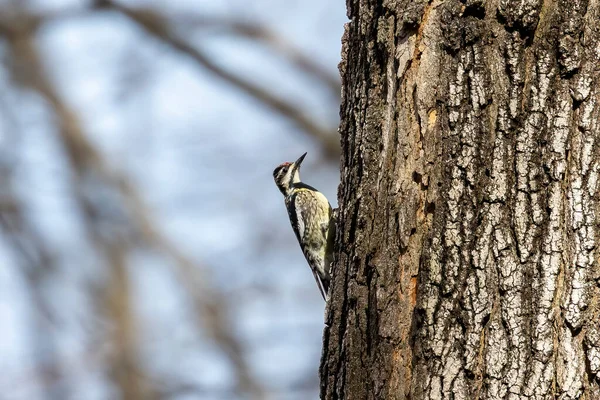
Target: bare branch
36,263
88,162
158,26
262,34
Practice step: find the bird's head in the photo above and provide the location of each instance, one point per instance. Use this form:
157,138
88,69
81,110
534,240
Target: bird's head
287,174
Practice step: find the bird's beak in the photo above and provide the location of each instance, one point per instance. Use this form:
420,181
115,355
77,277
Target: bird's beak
299,161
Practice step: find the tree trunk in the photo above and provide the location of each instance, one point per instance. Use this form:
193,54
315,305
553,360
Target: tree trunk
466,252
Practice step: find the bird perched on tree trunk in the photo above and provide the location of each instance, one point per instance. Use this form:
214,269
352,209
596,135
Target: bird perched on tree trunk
312,220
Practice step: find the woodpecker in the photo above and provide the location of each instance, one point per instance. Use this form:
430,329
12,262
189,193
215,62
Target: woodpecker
312,220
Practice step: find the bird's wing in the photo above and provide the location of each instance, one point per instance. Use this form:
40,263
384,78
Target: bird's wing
299,217
314,202
294,213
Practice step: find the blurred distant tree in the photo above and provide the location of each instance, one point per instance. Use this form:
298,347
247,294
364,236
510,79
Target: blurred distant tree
164,28
115,221
466,263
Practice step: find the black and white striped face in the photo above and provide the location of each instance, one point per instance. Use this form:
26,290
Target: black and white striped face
283,177
287,174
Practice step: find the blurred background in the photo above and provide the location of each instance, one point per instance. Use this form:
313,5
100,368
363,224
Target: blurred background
145,251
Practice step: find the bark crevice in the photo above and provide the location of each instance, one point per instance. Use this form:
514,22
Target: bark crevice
466,260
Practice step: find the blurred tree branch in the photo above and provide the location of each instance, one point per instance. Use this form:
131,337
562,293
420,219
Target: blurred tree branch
158,26
88,164
117,233
37,263
162,28
271,39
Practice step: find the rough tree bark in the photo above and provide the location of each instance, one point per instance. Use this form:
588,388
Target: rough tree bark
466,259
